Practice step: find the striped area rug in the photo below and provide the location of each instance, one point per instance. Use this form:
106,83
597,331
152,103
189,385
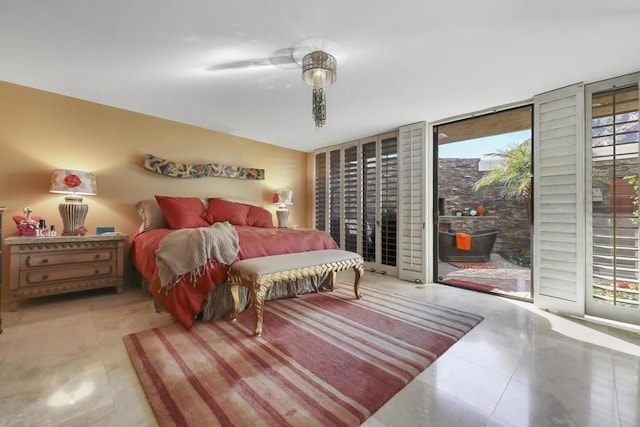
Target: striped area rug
322,359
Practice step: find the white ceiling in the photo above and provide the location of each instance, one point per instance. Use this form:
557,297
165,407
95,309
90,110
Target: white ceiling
399,61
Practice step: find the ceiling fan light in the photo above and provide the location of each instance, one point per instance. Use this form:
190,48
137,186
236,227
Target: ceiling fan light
319,69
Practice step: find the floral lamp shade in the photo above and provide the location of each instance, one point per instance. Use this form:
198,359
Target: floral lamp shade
67,181
283,198
73,211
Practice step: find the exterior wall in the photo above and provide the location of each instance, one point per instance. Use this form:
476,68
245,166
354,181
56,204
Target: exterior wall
42,131
455,184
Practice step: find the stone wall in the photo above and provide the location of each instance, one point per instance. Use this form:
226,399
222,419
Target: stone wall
456,178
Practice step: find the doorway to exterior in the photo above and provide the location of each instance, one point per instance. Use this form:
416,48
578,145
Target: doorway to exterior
613,246
483,195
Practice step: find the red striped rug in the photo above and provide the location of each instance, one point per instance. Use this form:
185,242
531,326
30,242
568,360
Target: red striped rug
322,359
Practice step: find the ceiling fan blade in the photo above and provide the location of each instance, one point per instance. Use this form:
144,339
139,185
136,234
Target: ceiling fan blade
281,58
245,63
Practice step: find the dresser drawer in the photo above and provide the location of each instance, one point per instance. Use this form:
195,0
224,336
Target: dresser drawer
52,259
44,276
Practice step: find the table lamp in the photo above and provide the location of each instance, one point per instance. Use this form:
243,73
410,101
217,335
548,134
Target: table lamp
75,184
283,198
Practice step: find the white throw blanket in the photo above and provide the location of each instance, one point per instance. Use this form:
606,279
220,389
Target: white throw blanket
188,250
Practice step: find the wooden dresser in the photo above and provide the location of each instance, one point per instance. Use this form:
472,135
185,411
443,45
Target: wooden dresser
42,266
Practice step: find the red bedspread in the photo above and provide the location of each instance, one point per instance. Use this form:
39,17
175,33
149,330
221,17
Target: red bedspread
184,300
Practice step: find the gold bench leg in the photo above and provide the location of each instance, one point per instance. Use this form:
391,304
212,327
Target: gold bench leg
236,302
258,294
358,270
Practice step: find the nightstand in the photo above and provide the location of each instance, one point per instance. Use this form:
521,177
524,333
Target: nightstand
41,266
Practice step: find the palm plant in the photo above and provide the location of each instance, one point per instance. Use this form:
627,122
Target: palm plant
513,174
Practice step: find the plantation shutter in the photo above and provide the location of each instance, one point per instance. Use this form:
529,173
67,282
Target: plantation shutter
559,200
351,202
388,200
321,191
335,195
411,203
369,198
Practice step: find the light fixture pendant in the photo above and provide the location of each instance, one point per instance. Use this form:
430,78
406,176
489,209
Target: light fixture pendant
319,70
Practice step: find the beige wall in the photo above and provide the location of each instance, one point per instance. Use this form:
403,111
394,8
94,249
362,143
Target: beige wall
41,131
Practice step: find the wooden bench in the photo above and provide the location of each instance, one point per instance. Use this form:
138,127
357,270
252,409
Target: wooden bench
259,274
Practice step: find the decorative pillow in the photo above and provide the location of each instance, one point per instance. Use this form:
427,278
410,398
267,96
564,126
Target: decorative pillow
259,217
182,212
151,215
221,210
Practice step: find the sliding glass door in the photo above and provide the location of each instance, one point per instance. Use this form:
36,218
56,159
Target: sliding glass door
612,214
483,216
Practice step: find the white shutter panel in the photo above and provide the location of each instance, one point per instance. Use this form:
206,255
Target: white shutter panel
559,203
411,152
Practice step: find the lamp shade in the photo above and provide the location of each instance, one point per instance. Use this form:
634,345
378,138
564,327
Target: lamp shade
68,181
283,197
319,69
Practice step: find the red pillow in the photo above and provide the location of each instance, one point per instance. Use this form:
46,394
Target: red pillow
259,217
221,210
182,212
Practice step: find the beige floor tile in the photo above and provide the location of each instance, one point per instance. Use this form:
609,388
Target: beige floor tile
63,362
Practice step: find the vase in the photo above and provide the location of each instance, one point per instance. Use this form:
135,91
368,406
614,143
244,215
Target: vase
481,210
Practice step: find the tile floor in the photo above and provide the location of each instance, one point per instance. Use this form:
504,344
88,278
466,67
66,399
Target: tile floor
62,362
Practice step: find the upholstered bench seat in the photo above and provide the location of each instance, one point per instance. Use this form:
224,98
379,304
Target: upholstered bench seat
259,274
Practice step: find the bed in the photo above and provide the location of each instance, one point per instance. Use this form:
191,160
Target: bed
207,294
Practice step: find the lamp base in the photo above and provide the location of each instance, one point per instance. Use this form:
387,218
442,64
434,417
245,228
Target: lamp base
73,212
282,213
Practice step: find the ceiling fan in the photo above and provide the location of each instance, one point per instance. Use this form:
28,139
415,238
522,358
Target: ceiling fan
287,58
316,57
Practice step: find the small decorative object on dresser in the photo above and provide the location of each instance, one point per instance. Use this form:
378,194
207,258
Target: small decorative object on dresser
56,265
27,224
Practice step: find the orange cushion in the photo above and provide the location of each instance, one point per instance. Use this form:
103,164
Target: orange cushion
182,212
221,210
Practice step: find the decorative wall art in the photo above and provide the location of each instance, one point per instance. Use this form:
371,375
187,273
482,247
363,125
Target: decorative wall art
199,170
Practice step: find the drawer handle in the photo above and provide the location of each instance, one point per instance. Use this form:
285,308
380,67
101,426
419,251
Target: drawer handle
45,261
45,276
96,272
97,256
